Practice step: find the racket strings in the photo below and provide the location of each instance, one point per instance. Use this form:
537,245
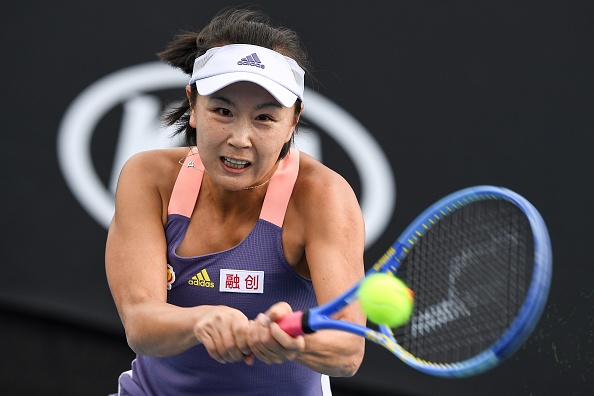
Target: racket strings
470,273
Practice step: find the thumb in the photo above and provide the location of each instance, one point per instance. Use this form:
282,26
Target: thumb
278,311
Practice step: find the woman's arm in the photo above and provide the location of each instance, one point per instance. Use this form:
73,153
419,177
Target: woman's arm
334,239
136,267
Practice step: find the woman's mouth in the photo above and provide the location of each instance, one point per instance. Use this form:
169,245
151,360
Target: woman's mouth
235,163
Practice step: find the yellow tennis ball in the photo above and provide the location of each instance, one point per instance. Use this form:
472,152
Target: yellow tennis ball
386,300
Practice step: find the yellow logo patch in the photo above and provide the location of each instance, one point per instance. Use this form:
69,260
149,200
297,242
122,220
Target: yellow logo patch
201,279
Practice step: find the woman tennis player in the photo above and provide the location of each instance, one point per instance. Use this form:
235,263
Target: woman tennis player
212,243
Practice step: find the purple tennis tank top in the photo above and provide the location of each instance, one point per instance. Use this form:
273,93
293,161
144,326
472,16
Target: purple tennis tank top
250,277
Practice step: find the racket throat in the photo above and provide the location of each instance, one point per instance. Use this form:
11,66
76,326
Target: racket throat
305,327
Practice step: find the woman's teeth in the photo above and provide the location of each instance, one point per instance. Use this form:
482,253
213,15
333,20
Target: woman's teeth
235,164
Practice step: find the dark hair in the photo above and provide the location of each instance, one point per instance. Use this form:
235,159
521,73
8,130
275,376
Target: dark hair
230,26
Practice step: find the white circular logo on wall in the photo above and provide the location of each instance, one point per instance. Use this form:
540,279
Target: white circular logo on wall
131,88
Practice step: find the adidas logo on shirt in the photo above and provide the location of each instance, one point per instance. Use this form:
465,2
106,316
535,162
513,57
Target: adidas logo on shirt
251,60
201,279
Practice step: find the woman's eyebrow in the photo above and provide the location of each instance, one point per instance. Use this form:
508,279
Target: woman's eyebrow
261,106
223,99
268,104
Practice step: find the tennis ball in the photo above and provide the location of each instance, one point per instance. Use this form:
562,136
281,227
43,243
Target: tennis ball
386,300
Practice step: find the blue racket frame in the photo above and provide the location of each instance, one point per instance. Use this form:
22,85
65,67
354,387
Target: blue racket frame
319,317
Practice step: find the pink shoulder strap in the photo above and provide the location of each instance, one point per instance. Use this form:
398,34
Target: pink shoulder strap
187,185
280,189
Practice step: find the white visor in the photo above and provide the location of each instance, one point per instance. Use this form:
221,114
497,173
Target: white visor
222,66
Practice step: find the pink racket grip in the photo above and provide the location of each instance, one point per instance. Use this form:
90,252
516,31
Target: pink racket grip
292,324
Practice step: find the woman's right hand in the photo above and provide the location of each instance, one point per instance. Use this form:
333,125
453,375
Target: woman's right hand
224,333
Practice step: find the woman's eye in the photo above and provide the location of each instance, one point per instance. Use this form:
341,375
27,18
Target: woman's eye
225,112
263,117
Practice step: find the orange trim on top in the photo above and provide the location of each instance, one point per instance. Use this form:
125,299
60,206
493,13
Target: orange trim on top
280,189
189,180
186,188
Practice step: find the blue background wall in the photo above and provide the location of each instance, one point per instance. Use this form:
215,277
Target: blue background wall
456,94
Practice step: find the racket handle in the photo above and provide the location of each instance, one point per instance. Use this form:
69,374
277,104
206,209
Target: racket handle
295,324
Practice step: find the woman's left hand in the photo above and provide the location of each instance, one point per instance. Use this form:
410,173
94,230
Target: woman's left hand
268,342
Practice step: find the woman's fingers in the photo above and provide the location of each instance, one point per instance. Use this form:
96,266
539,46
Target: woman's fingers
224,334
271,344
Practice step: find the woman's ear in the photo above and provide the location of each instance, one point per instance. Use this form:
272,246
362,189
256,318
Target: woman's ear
297,117
192,120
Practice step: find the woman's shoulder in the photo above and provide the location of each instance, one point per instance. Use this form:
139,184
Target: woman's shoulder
323,208
154,167
317,183
316,175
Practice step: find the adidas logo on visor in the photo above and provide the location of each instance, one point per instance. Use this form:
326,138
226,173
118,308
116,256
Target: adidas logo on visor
251,60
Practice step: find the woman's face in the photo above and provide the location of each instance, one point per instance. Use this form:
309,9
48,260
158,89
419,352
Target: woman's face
240,131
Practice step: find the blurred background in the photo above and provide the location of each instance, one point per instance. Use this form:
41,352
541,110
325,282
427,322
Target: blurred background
428,96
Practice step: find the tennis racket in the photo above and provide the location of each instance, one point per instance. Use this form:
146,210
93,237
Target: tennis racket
479,262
